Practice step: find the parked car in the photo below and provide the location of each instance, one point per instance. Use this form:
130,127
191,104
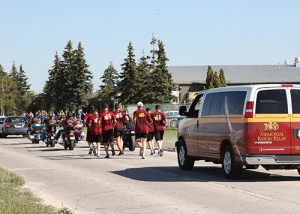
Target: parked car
14,125
173,118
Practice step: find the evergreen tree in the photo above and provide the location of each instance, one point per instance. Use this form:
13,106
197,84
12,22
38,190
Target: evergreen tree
209,78
69,80
128,84
153,52
144,90
14,73
2,72
110,80
216,80
163,84
82,79
8,93
222,78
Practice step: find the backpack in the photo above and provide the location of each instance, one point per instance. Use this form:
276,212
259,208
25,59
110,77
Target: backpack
70,124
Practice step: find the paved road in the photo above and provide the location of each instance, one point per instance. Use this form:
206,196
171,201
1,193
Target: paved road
128,184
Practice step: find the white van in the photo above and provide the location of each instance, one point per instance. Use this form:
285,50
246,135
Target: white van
238,126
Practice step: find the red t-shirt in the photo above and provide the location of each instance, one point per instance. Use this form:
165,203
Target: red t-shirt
87,118
159,120
94,125
107,120
151,127
120,116
142,120
63,122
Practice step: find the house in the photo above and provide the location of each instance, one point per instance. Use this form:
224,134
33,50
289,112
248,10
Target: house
190,80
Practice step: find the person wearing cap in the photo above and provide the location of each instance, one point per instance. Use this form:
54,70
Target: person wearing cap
108,121
88,134
119,130
96,131
150,134
141,119
159,122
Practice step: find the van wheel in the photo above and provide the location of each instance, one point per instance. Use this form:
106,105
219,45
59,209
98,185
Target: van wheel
230,168
252,166
184,161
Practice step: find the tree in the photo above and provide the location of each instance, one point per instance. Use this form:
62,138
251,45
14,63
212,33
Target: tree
209,78
163,84
222,78
144,80
2,72
7,95
110,79
22,88
216,80
128,84
69,80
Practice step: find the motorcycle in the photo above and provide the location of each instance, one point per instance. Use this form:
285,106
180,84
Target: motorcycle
36,132
50,136
129,139
79,127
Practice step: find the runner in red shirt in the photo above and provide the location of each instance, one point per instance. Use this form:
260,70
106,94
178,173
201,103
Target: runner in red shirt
119,131
96,130
150,134
108,121
141,119
159,122
89,135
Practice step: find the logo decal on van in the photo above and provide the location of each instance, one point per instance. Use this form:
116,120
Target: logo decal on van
297,149
271,126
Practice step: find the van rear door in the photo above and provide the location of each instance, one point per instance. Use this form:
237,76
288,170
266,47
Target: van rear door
295,120
269,131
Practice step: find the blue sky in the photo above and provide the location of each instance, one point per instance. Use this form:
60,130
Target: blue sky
195,32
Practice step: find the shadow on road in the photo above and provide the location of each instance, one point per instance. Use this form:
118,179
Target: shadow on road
198,174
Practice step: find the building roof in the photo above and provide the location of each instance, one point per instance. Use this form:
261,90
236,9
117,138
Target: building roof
238,74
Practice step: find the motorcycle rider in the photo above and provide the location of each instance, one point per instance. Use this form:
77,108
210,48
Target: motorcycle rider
32,120
47,122
69,116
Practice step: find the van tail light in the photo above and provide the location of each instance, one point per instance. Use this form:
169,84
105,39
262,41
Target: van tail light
7,126
249,110
286,85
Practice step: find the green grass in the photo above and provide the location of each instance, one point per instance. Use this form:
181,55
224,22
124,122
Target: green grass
15,199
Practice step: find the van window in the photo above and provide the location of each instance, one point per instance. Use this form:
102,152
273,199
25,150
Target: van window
207,104
295,94
218,104
235,102
194,109
271,102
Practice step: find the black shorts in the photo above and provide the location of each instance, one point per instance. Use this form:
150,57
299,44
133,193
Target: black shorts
89,136
119,133
159,135
96,138
150,136
141,135
108,136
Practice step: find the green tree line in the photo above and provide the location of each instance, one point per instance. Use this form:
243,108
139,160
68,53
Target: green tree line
147,80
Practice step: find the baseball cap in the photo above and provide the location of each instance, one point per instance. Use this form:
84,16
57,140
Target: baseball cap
140,104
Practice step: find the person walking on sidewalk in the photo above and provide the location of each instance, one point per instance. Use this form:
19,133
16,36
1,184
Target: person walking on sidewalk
159,122
141,119
119,131
96,131
108,121
150,134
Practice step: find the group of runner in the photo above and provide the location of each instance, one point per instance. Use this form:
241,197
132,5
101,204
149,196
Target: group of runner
109,125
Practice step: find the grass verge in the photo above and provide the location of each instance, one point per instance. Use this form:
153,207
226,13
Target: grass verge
15,199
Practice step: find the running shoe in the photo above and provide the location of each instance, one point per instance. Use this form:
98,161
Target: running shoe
120,153
113,151
91,150
107,156
161,152
143,157
95,151
152,152
141,151
98,155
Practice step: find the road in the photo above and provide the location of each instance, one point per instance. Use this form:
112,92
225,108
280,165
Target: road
129,184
